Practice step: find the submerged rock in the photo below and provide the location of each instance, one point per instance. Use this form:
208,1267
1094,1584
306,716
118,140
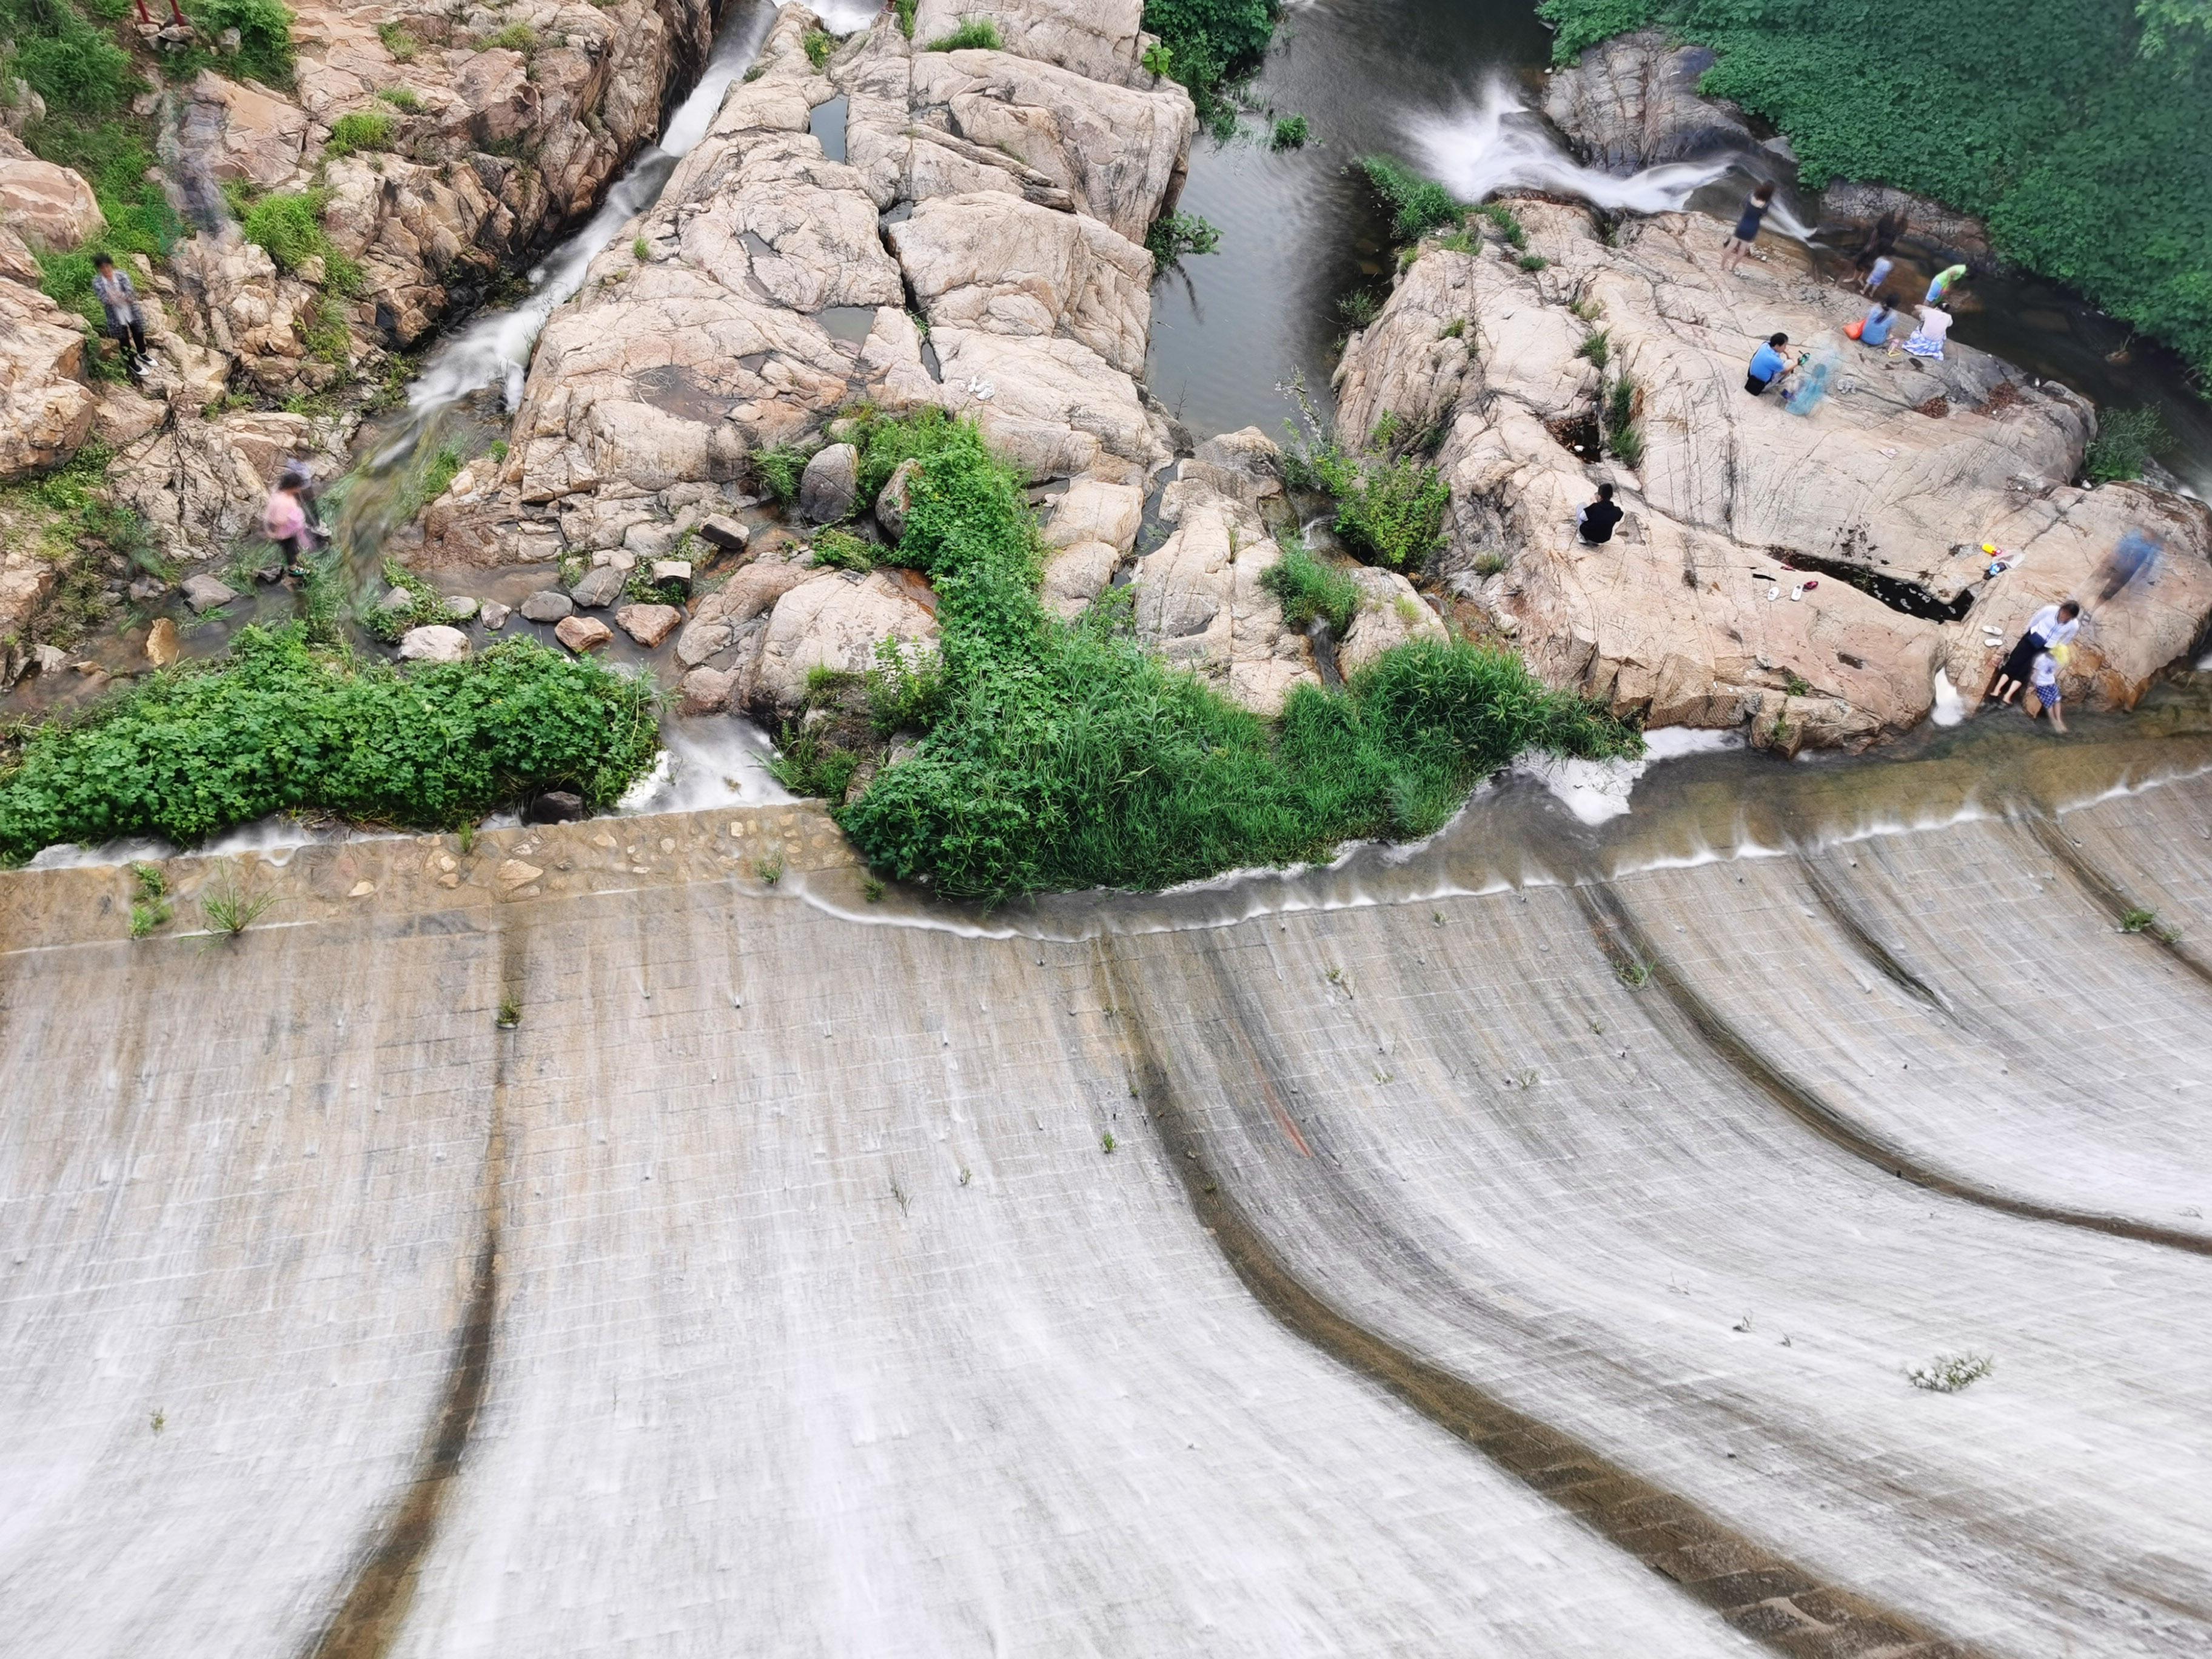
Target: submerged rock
204,593
548,604
583,634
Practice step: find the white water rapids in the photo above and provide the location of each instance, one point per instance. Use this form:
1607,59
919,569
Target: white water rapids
494,349
1497,145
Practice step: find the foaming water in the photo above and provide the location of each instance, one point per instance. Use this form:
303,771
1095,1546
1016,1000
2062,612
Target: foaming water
494,349
1499,144
1597,791
704,764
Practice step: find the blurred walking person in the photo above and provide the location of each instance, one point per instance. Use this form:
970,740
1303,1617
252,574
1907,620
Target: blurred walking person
2136,553
1747,227
121,301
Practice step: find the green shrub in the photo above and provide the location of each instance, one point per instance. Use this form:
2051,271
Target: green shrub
779,468
1063,756
2126,442
1534,262
71,61
264,36
515,37
1205,44
2075,129
288,226
1418,205
1291,132
1174,234
1389,512
974,34
278,727
1624,436
1159,59
1308,588
841,549
819,45
361,129
905,8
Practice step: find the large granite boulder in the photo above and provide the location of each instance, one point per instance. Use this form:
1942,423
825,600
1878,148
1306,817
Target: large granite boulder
1102,39
836,621
1631,102
47,204
1200,602
1729,592
46,407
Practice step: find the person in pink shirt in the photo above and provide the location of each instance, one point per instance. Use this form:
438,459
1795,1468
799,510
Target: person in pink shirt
285,521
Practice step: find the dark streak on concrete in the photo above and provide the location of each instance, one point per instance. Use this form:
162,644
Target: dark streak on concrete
1623,940
367,1622
1756,1592
2108,895
1854,926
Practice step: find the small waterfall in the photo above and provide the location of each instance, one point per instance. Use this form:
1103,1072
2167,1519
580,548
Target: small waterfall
494,349
1499,144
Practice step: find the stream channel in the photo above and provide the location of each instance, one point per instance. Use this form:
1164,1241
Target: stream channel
1450,87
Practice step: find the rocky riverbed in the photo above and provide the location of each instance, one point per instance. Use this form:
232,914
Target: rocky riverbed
868,222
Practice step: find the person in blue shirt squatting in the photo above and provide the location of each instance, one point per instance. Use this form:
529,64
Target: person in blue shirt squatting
1875,331
1767,365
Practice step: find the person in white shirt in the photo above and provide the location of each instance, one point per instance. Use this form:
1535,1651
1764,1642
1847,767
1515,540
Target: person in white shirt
2053,625
2044,695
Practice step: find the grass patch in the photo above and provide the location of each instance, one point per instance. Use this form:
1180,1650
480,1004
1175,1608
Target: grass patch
405,99
1308,588
361,129
1620,418
974,34
779,468
1066,756
819,45
2075,129
1418,204
1174,234
229,910
401,44
515,37
1597,349
280,727
425,606
264,41
841,549
1291,132
905,10
2126,442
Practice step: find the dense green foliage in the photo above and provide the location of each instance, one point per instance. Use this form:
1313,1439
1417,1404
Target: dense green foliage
2077,128
1418,205
361,129
1307,588
1065,755
2126,440
264,38
1291,132
1205,43
1389,511
69,59
279,727
1174,234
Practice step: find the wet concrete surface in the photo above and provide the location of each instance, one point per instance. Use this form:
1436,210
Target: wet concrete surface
577,1241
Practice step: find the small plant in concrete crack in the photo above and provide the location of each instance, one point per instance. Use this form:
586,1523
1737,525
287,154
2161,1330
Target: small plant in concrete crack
1106,1143
465,837
769,869
161,1419
641,250
510,1014
1947,1373
230,910
967,1174
1336,976
872,890
1742,1325
1633,973
901,1193
148,914
149,881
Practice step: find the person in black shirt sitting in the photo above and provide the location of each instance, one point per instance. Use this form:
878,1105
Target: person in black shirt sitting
1596,520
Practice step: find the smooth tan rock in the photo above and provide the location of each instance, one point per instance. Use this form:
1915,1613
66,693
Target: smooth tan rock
1006,267
582,633
50,205
1101,38
1687,617
834,623
244,131
1391,614
1077,574
1200,602
46,408
162,642
1094,511
434,643
648,625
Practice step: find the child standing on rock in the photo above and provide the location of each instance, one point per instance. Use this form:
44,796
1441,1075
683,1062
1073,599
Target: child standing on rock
2042,693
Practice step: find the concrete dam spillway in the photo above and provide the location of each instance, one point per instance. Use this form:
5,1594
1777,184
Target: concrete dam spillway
578,1242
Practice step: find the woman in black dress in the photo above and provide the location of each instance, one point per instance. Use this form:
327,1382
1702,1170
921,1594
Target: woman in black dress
1747,227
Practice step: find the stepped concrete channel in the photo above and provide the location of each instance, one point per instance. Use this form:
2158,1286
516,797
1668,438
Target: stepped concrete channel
769,1286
